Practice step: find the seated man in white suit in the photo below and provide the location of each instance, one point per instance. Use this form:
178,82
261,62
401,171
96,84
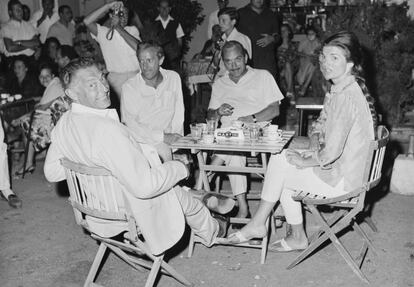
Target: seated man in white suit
91,134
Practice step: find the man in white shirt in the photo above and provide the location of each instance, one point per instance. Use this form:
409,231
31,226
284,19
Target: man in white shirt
20,37
118,43
63,29
244,94
152,101
44,18
170,34
213,17
91,134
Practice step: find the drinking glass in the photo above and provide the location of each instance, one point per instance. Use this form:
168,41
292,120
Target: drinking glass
211,125
254,133
196,131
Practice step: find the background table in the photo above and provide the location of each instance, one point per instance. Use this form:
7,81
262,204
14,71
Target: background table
305,105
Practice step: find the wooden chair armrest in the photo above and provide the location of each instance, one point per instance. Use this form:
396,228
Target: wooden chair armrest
319,200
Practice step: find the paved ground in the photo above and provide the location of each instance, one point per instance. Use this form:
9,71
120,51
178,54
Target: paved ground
42,246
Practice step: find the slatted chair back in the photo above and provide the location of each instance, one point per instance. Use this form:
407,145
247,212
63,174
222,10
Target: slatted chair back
372,174
94,192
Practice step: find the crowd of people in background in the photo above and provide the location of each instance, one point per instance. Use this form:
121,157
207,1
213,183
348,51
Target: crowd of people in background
35,49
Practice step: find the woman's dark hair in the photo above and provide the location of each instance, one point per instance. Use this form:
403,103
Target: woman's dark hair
68,51
48,66
51,40
289,30
349,43
231,11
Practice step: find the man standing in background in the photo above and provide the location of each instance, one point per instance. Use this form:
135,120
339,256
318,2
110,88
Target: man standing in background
171,36
64,29
45,17
213,18
261,25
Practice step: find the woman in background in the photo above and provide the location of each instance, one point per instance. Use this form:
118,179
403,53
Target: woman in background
52,104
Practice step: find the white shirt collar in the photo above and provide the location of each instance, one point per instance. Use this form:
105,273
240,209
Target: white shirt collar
105,113
163,73
232,33
169,18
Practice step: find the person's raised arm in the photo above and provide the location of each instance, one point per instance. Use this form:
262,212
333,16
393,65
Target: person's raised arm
90,20
129,39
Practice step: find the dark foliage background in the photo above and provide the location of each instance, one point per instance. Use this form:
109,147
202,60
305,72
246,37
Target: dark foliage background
387,34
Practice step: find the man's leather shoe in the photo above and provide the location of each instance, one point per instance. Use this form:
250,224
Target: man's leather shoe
218,203
13,199
223,222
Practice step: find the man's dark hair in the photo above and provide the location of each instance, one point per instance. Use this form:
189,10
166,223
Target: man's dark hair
68,51
231,11
12,3
150,44
66,74
62,8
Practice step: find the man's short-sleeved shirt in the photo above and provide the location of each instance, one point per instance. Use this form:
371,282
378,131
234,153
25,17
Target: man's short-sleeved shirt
18,31
118,55
157,110
252,93
43,28
64,34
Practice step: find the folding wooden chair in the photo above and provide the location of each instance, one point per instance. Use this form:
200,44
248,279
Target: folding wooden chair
95,193
348,207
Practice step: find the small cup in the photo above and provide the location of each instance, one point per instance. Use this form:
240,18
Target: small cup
195,131
208,138
18,97
272,128
4,96
211,125
237,124
203,127
254,133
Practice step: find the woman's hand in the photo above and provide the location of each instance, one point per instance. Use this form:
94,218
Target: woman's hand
294,158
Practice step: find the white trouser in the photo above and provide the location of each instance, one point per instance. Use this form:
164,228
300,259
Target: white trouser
282,179
116,80
198,217
4,164
238,182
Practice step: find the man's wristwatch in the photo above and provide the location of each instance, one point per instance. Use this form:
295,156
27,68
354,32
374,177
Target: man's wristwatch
254,118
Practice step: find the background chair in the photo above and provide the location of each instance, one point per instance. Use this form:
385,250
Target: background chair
347,207
96,194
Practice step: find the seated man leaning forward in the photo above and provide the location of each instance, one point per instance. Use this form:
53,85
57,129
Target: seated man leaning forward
152,101
245,94
91,134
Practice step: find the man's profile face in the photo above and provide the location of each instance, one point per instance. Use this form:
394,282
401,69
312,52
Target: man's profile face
258,4
235,62
150,63
90,88
164,9
60,60
16,12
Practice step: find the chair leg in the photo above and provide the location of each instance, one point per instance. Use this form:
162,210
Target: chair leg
171,271
371,223
191,245
154,271
95,265
364,236
265,242
26,148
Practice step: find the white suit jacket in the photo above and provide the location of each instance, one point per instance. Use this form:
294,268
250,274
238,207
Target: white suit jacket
97,138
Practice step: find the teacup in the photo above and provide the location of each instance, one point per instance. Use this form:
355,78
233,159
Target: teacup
208,138
237,124
18,97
